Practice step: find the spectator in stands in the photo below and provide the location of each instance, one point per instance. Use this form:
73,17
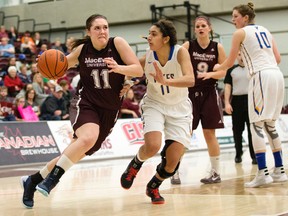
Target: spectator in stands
6,50
43,48
3,32
33,70
30,97
24,76
27,34
25,89
38,86
27,47
65,77
4,69
20,60
130,107
11,62
66,92
13,82
49,85
19,102
13,35
57,45
6,105
37,40
68,45
54,107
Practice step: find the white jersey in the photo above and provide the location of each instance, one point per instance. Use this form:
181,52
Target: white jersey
256,49
171,70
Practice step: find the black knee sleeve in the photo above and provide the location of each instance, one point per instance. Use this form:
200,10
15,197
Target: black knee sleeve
161,167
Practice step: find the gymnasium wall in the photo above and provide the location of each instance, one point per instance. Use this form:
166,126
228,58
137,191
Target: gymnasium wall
74,12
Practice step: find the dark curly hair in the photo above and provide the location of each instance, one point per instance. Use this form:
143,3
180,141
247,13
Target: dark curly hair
167,28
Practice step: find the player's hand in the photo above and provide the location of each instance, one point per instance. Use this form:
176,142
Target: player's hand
204,75
228,109
158,76
216,66
124,90
112,64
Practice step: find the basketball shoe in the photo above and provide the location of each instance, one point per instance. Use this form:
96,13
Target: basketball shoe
212,178
47,185
130,173
279,174
262,178
29,190
175,179
155,196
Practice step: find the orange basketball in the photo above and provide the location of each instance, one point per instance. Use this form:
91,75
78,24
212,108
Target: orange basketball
52,64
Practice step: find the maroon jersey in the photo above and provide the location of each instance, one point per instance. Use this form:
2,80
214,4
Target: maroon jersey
98,86
203,60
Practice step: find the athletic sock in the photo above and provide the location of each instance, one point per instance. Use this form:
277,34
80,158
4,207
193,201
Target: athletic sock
64,162
261,160
215,163
138,159
36,178
278,158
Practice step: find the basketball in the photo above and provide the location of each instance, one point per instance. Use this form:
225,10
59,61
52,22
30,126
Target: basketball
52,64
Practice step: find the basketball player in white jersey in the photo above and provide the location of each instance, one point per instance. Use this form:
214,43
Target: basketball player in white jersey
266,89
166,107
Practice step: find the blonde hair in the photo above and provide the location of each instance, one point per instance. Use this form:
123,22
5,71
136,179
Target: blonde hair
35,79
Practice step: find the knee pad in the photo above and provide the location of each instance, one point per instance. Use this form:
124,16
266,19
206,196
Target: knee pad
161,167
258,136
273,137
162,172
271,130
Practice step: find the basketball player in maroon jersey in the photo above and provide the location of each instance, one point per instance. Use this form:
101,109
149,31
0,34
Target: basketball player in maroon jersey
103,64
205,54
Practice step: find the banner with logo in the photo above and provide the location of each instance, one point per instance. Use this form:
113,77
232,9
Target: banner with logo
26,142
34,142
127,137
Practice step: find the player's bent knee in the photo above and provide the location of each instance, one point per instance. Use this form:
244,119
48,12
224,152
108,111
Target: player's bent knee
161,167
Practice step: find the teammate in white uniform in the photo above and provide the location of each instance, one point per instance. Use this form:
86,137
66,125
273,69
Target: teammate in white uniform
266,89
166,107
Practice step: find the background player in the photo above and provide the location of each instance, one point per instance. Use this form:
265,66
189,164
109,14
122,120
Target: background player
266,88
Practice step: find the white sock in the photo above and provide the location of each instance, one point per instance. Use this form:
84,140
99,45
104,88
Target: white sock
138,157
215,163
64,162
44,172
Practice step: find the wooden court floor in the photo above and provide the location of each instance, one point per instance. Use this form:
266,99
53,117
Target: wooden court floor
93,188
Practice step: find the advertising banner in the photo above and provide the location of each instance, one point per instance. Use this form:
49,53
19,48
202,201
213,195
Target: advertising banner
34,142
23,143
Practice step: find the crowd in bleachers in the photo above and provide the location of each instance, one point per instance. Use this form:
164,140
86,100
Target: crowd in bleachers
22,87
